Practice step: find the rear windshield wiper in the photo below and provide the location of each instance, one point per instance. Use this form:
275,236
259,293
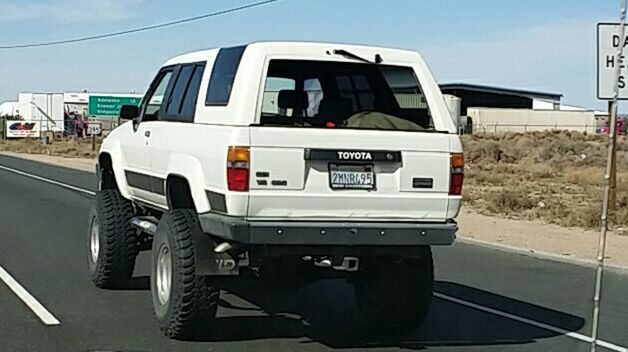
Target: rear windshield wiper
350,55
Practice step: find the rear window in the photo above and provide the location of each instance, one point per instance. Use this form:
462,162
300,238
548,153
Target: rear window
303,93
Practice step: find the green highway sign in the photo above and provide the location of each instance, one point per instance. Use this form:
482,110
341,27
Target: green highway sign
102,105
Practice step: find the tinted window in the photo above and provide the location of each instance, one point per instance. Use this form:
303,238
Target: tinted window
181,103
191,96
176,97
223,75
357,89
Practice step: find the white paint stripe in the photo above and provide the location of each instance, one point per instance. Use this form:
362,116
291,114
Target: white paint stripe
42,313
64,185
531,322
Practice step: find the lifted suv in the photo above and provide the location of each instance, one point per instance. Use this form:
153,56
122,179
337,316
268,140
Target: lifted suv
292,162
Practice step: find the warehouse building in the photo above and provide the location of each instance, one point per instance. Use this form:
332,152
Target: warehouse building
474,95
497,109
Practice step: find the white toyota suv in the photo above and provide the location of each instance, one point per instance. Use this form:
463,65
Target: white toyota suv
289,161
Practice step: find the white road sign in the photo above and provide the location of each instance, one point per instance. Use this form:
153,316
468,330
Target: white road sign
608,42
94,128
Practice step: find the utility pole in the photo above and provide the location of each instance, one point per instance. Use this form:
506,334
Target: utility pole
608,182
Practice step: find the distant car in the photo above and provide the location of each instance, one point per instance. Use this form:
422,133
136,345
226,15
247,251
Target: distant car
620,128
291,161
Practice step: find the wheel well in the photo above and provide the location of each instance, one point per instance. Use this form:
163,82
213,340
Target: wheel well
107,177
178,193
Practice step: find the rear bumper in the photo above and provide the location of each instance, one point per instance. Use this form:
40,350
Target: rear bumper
326,233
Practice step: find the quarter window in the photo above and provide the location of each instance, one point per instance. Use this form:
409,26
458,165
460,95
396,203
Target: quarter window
223,75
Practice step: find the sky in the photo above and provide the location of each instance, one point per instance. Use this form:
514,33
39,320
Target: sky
533,44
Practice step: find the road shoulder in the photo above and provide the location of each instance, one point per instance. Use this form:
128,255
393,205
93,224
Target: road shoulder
72,163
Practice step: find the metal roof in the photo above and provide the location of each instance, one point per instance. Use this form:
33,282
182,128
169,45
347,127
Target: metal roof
500,90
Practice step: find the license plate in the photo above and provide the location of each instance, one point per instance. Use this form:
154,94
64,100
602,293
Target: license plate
350,176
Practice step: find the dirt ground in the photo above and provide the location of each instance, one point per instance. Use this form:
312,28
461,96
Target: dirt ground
539,236
68,148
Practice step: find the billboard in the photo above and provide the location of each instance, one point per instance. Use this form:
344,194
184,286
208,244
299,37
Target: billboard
22,129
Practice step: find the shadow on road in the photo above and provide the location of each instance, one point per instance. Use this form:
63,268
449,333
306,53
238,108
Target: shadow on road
326,313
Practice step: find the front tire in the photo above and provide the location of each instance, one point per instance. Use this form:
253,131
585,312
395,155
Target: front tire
185,303
112,240
394,294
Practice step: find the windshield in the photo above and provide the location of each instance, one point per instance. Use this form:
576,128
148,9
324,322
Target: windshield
346,95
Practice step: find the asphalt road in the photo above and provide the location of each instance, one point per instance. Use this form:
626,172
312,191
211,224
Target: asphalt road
486,300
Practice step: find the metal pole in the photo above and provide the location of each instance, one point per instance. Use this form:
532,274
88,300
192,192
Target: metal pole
612,108
607,184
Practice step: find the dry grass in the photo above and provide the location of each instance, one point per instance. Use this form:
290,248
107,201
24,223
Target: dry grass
70,148
554,176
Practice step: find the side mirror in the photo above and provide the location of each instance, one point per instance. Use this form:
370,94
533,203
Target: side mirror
129,112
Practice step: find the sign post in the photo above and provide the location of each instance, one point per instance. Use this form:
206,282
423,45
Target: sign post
611,84
612,110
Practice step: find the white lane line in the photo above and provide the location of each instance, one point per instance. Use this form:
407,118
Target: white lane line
531,322
42,313
64,185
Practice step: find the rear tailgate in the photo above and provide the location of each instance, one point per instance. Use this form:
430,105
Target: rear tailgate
311,173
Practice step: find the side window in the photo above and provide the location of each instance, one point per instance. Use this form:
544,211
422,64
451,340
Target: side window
181,103
270,100
191,96
223,75
151,103
178,90
312,87
405,87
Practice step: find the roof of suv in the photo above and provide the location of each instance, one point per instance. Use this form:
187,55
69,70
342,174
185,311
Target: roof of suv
295,46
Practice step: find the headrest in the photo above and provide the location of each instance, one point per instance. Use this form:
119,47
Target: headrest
292,99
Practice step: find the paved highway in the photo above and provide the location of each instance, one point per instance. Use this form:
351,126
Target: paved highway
486,300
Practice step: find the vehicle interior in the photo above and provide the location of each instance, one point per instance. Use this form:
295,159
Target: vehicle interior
336,94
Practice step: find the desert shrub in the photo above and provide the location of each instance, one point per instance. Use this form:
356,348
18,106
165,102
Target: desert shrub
553,175
508,201
559,149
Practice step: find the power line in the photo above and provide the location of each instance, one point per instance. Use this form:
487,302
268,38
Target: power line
140,29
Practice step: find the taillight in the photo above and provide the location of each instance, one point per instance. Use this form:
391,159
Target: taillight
457,174
238,169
